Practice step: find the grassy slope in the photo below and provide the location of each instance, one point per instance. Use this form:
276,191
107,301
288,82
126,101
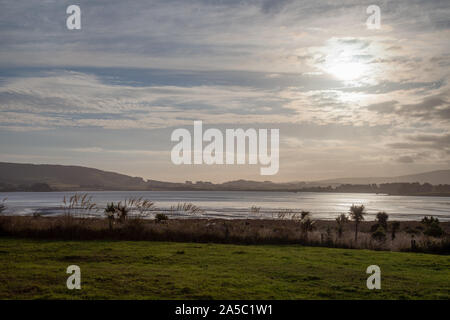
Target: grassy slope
158,270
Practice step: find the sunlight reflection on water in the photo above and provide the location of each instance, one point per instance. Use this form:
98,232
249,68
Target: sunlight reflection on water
236,204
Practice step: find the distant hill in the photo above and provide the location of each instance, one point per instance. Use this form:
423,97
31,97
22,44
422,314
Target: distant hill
46,177
65,177
432,177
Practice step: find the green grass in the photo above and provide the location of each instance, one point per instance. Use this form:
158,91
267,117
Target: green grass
158,270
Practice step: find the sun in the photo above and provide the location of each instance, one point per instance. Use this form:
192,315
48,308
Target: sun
347,70
346,59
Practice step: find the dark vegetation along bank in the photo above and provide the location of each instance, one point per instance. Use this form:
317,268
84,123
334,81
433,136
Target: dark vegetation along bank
139,219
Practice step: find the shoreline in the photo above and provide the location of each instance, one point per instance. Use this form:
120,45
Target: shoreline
432,194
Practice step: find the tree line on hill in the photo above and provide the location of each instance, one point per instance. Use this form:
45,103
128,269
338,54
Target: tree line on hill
388,188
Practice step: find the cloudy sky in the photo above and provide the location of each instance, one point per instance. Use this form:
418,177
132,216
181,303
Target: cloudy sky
349,101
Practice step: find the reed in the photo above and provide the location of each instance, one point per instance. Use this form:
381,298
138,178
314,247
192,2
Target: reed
242,231
126,221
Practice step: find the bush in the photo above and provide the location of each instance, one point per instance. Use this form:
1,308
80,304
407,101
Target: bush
434,230
381,221
432,227
159,217
306,224
110,211
36,214
395,226
429,220
122,211
411,231
379,234
382,218
341,220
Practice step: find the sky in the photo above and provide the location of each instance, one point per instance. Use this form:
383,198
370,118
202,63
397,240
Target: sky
349,101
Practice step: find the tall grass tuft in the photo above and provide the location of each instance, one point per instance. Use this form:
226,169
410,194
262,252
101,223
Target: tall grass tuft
255,211
285,214
3,206
79,204
187,208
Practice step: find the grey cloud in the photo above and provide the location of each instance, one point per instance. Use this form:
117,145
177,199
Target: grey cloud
437,142
394,48
274,6
390,86
432,107
441,61
386,107
361,44
403,145
427,104
405,159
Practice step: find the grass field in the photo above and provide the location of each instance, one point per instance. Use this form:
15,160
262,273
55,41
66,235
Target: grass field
32,269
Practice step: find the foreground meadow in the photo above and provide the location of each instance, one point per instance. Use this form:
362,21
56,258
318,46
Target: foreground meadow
31,269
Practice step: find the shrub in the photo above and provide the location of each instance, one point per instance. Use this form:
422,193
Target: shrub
159,217
432,227
122,211
382,218
395,226
341,220
429,220
36,214
306,223
381,221
379,234
411,231
328,236
110,211
434,230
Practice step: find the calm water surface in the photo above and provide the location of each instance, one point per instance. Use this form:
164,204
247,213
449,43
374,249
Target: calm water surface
237,204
